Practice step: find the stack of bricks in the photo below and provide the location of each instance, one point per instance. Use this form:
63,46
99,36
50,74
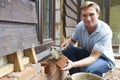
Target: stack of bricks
53,68
31,72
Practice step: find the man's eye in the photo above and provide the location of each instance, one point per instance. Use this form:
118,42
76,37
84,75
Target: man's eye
84,15
91,14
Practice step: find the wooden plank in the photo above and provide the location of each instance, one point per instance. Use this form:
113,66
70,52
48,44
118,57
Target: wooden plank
16,36
16,59
71,16
69,12
69,31
3,60
62,27
6,69
25,60
75,2
72,5
31,54
70,22
18,11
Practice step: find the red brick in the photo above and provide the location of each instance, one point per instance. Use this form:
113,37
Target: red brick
62,62
52,68
46,67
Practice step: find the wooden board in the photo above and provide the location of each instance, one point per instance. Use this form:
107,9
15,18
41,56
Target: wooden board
69,31
16,36
6,69
71,16
70,22
18,11
70,13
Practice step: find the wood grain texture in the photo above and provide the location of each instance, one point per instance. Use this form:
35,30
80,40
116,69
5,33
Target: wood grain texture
16,36
18,11
6,69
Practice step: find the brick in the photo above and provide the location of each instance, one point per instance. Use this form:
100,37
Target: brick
46,66
52,68
44,63
62,62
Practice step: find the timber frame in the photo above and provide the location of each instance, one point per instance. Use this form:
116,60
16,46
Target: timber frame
17,62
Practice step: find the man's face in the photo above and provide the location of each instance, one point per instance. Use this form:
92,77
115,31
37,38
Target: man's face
90,16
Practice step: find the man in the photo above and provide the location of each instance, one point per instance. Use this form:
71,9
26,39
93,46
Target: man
95,38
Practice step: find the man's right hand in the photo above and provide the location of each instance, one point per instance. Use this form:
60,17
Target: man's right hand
64,45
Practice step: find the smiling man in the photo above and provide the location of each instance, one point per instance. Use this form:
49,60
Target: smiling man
95,38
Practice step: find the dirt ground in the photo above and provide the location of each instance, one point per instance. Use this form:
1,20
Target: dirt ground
114,74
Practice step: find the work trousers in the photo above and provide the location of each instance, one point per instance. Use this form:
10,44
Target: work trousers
74,54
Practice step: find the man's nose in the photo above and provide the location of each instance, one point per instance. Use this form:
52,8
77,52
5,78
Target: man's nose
88,18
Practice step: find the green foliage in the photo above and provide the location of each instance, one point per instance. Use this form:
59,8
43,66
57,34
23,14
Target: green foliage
115,2
115,22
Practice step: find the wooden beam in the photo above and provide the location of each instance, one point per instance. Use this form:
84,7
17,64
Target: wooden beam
31,54
16,59
62,27
25,60
6,69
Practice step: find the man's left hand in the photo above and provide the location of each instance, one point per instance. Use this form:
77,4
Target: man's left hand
68,66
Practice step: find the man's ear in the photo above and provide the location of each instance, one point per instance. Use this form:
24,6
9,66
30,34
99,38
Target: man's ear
98,14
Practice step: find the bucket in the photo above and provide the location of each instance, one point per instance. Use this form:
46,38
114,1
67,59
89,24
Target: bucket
85,76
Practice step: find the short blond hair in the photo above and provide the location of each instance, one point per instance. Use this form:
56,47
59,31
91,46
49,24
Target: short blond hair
89,4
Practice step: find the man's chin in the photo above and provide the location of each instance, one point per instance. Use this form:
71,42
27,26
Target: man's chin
89,25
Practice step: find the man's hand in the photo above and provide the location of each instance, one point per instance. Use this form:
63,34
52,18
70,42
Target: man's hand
68,66
65,45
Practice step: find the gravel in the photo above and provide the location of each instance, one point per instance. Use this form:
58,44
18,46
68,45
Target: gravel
114,74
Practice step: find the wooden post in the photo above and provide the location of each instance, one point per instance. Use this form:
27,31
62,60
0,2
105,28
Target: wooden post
62,28
16,62
16,59
6,69
31,54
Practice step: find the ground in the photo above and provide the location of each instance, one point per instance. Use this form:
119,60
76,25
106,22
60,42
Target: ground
114,74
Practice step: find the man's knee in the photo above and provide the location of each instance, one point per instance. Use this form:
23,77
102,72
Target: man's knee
68,50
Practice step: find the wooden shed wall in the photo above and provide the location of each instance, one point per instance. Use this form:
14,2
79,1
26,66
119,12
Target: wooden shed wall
18,21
